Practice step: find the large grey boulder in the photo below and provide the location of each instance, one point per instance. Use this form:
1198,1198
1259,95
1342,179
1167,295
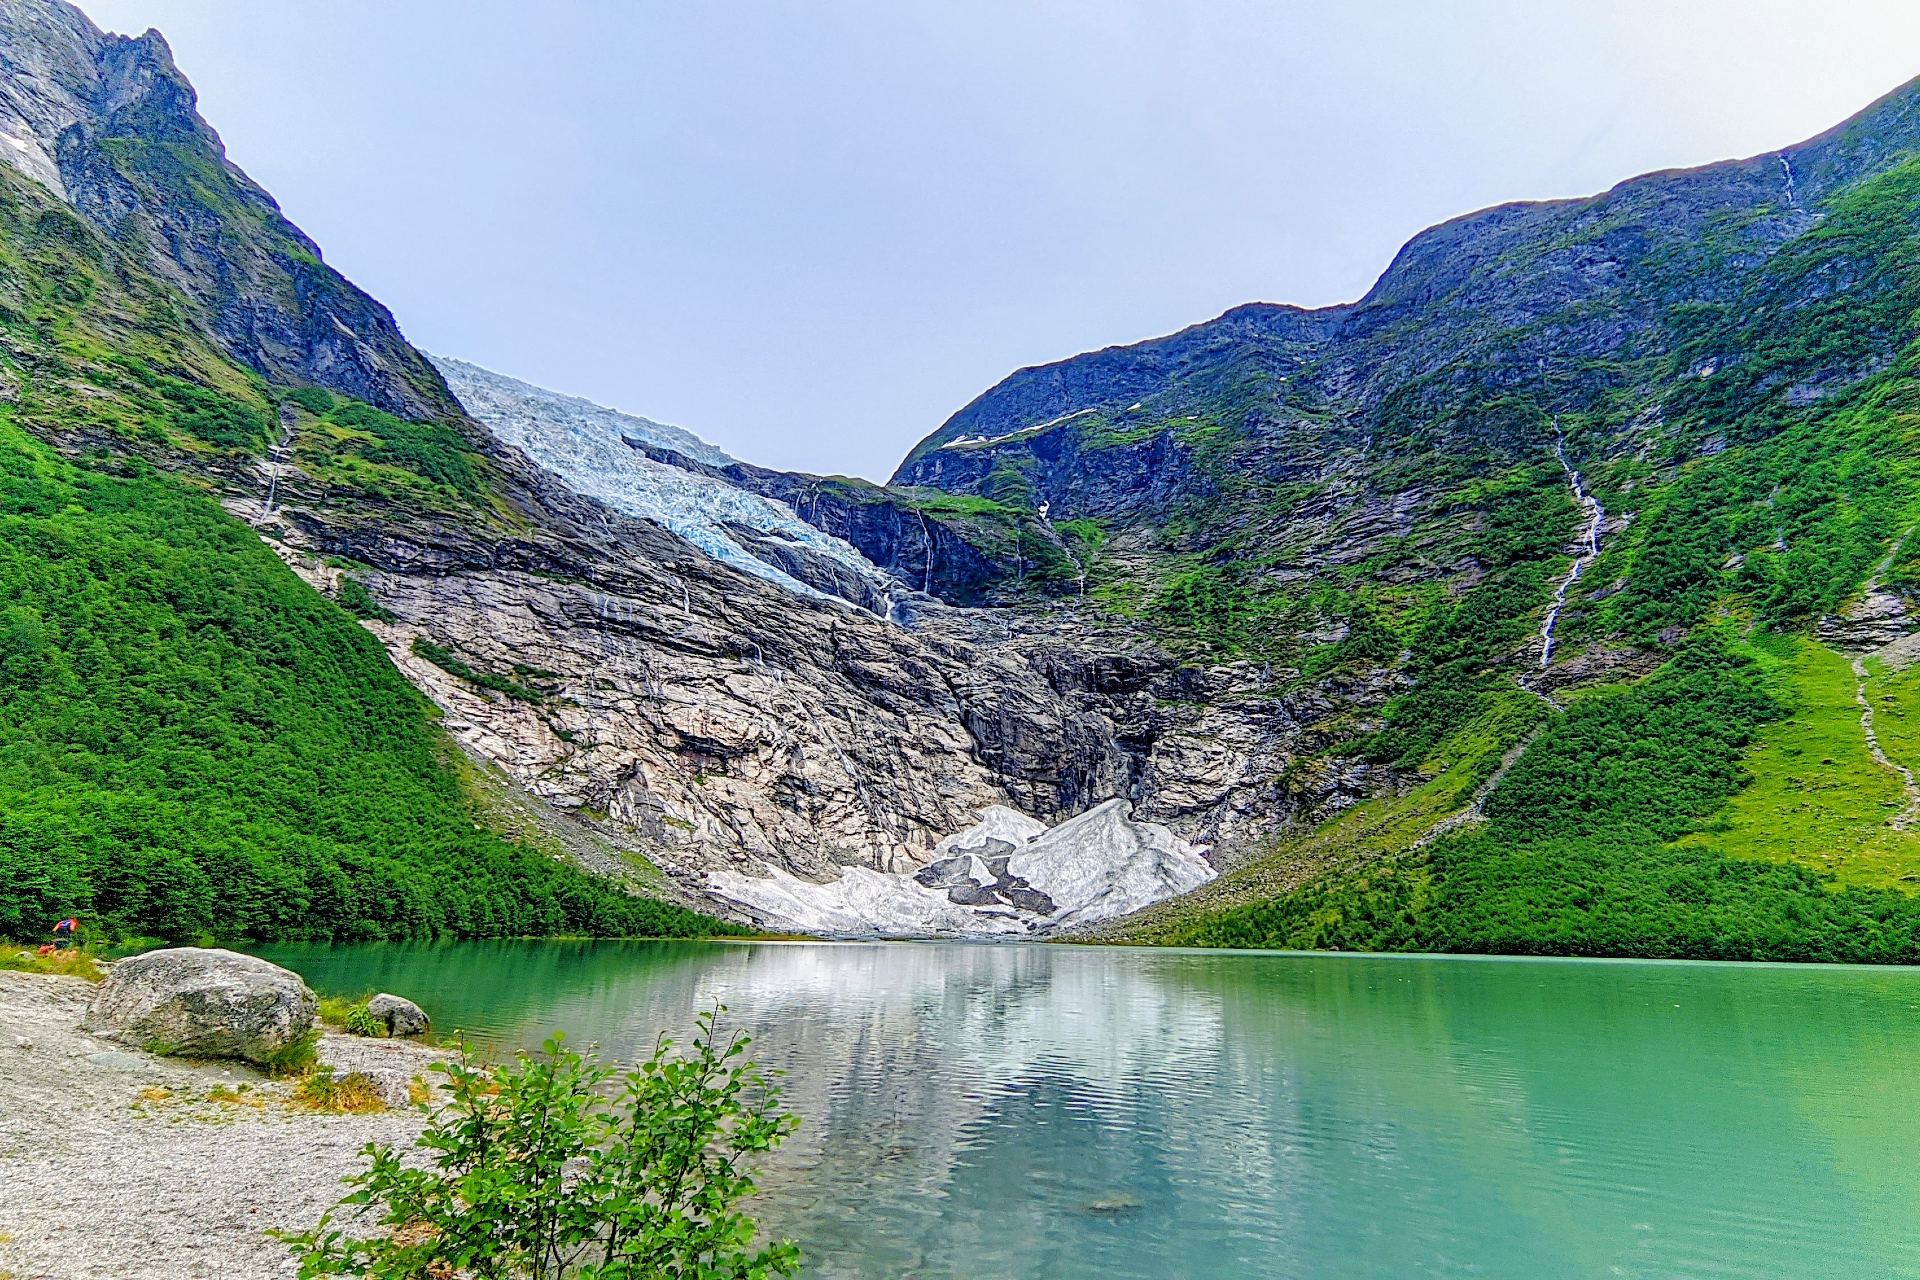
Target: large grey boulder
195,1002
400,1016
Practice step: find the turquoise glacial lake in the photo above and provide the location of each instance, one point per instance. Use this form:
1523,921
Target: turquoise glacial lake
1063,1112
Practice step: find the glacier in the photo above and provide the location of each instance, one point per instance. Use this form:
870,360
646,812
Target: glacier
595,450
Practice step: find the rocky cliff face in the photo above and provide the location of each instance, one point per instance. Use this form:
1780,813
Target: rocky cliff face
712,722
112,127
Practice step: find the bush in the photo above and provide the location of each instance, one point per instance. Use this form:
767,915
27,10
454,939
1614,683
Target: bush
296,1057
356,600
350,1015
558,1164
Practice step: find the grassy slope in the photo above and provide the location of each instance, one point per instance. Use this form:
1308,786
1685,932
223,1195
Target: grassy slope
1594,844
1454,778
1816,796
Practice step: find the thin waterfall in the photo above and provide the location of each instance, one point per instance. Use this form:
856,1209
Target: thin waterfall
277,459
1590,547
926,535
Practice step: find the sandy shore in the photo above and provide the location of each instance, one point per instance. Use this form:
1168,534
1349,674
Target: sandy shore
116,1163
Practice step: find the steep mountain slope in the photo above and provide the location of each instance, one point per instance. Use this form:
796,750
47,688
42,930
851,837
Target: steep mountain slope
109,124
191,741
1567,470
631,702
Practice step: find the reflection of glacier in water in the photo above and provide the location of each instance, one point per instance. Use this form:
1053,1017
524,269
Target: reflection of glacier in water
1046,1111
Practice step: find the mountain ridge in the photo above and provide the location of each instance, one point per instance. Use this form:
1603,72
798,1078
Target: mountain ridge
1515,606
1900,105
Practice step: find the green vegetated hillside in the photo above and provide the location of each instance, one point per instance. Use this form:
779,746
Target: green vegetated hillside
1719,809
1373,497
192,741
1727,805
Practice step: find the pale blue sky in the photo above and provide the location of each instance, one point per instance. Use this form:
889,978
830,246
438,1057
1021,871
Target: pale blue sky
810,230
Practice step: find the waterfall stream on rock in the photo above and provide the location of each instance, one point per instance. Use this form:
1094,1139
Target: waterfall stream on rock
1590,549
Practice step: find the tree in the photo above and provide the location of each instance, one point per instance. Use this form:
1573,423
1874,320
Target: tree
560,1164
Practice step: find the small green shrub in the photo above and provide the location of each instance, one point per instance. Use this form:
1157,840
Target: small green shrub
348,1094
559,1164
454,665
315,400
356,600
294,1058
350,1014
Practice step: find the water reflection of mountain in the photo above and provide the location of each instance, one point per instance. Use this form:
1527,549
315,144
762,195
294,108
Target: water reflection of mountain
974,1110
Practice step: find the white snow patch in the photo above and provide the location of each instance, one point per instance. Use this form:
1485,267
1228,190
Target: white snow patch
1093,867
1104,864
997,822
861,901
972,442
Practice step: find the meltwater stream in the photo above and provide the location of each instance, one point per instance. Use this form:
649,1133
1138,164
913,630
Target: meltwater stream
1065,1112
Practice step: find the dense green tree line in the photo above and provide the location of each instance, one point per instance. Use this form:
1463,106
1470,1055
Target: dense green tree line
193,742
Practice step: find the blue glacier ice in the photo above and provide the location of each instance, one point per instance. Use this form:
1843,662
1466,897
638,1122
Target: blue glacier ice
592,448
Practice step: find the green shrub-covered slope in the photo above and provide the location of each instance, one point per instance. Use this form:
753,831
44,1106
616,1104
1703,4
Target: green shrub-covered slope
192,741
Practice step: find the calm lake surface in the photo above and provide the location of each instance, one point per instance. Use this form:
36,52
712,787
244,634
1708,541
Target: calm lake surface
1061,1112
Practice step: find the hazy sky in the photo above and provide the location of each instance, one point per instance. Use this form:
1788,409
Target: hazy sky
810,230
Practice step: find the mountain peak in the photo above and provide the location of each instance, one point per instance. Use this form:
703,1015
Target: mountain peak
110,125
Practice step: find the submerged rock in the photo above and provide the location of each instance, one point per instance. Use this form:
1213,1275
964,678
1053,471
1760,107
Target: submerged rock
195,1002
1114,1206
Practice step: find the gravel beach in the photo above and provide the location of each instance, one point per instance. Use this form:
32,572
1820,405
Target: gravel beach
117,1163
